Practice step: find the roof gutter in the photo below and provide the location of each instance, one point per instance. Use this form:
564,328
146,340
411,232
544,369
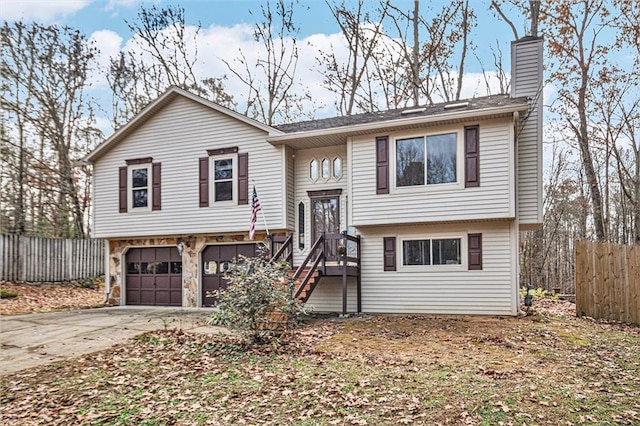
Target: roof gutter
378,125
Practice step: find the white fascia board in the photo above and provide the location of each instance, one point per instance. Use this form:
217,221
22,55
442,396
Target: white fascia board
378,125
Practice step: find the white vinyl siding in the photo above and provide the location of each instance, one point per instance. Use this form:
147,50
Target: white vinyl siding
303,184
526,65
438,290
177,136
327,296
290,213
493,199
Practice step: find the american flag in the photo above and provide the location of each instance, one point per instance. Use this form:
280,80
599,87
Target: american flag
255,208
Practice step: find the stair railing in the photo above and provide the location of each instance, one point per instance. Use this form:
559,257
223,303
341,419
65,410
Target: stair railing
318,250
286,248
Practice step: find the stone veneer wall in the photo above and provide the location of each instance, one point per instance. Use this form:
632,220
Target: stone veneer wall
193,245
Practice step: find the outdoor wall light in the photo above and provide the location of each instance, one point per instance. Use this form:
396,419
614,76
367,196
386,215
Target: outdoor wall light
180,248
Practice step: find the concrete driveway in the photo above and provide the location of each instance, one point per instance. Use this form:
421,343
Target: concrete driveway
37,339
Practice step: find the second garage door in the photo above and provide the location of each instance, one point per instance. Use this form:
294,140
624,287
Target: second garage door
216,260
154,276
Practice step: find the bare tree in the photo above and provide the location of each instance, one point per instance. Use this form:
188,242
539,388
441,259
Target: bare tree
529,10
573,30
49,121
363,33
273,93
165,54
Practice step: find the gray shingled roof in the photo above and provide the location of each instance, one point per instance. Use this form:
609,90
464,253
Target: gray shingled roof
394,114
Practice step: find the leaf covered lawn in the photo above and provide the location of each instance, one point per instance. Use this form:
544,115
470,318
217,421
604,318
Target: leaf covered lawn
49,297
371,370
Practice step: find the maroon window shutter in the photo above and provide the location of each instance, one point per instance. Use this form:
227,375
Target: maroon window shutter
382,165
203,181
122,189
475,252
156,194
389,253
471,156
243,178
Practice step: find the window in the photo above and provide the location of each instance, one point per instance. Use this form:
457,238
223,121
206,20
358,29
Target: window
325,169
223,179
429,160
223,175
445,251
337,167
313,170
301,222
139,187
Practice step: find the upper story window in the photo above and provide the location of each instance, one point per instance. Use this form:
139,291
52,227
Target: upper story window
224,173
139,185
337,167
140,179
223,177
426,160
313,170
326,168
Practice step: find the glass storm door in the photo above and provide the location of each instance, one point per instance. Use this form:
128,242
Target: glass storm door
325,216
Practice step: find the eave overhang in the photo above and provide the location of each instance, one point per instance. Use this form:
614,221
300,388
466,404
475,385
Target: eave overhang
338,135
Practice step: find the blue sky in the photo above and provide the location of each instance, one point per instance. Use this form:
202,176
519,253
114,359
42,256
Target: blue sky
227,29
313,16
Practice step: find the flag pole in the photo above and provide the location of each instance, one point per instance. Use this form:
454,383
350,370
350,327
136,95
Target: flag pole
264,219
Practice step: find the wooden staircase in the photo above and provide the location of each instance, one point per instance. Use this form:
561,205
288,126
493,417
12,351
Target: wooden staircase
304,290
323,259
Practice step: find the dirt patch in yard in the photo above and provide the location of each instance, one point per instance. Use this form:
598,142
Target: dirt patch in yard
542,369
50,297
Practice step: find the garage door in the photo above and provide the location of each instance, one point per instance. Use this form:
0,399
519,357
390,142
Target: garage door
216,260
154,276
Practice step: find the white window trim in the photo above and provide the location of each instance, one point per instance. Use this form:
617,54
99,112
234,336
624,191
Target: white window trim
329,169
432,268
318,170
130,169
459,184
337,178
234,179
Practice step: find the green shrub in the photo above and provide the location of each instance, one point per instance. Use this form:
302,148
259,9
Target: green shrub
8,294
538,293
91,283
258,301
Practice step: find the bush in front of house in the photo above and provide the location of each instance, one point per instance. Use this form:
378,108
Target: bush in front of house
8,294
257,302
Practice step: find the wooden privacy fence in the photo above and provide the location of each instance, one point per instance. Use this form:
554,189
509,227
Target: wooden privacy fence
34,259
608,281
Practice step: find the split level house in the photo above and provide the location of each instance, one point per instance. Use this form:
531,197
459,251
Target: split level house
414,210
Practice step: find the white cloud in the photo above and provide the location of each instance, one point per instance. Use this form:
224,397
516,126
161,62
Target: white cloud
45,11
108,43
114,4
217,44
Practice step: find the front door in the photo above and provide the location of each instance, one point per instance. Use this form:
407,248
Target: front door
325,217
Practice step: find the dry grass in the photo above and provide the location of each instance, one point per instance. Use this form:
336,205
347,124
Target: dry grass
48,297
378,370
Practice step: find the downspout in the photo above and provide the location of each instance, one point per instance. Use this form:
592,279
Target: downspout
107,273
